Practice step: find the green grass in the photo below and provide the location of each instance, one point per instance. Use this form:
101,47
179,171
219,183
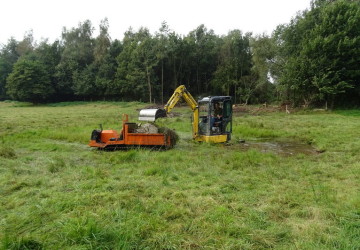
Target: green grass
57,193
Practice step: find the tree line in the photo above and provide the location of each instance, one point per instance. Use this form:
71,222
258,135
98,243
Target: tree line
313,59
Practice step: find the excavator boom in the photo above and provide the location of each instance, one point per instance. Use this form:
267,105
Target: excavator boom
180,92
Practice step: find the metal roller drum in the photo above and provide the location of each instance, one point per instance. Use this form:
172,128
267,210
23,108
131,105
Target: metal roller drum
151,114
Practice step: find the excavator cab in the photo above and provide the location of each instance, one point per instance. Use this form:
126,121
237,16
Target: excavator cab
215,117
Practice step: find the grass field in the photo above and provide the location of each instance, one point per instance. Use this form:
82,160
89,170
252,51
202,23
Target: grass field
57,193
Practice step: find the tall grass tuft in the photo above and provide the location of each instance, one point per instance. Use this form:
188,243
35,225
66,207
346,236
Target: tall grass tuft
7,152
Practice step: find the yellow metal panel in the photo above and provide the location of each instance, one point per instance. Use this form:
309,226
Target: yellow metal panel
212,138
195,123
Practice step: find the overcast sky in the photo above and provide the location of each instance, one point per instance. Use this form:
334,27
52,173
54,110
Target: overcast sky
47,18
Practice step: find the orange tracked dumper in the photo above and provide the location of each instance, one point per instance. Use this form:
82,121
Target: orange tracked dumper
129,138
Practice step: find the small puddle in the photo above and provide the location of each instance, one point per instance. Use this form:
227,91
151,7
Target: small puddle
285,148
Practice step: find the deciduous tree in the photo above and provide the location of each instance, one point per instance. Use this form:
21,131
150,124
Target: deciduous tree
8,57
320,52
29,81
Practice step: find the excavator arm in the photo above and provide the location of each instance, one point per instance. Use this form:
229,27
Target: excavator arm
180,93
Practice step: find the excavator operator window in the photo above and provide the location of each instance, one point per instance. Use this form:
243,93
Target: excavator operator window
217,109
203,109
216,117
203,118
227,109
227,119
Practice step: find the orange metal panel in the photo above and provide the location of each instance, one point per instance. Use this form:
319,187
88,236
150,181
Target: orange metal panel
145,139
106,135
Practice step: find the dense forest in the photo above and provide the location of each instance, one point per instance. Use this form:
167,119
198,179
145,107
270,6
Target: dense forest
312,60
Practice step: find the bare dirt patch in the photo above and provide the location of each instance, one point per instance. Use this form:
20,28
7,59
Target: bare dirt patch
239,110
280,147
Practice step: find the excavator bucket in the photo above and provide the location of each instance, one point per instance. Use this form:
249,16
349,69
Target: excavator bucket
151,114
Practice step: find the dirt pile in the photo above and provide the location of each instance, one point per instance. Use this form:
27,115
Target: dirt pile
257,109
149,128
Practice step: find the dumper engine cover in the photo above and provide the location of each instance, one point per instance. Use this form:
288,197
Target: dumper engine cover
96,135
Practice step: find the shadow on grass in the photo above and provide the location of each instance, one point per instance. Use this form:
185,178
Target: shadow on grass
351,112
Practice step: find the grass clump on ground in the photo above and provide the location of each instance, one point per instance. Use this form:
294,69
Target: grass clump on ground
57,193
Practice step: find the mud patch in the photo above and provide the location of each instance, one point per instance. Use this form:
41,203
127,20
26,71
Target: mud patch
284,148
7,152
241,110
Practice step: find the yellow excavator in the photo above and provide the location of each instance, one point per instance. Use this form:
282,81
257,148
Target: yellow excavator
211,120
